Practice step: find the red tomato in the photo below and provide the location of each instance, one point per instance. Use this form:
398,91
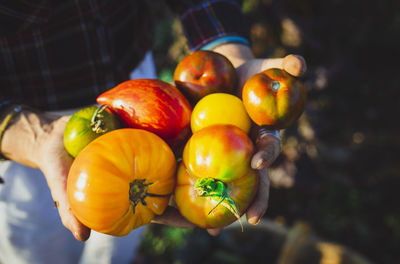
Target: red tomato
121,180
215,182
204,72
274,98
153,105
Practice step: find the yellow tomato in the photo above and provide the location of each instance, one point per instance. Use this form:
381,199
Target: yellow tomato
220,108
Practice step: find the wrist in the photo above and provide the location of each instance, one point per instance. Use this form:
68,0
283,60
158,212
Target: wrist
237,53
7,114
21,140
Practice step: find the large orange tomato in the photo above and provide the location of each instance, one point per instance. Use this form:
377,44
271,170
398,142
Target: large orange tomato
121,180
274,98
215,183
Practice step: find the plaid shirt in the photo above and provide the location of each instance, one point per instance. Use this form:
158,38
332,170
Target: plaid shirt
59,56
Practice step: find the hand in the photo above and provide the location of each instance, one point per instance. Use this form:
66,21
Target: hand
36,140
293,64
55,166
268,145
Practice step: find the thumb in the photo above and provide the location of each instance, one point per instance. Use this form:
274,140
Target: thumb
268,145
55,165
79,231
57,181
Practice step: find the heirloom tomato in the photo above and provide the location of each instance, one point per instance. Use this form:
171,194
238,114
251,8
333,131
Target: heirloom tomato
204,72
121,180
274,98
152,105
210,203
87,124
220,108
215,183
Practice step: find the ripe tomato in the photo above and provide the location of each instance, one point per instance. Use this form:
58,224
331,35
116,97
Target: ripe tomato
121,180
215,183
153,105
87,124
274,98
204,72
204,208
220,108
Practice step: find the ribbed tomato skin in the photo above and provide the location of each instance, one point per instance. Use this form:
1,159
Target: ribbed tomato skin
153,105
100,176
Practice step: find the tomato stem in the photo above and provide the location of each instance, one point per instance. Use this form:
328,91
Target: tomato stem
275,85
218,191
138,192
97,124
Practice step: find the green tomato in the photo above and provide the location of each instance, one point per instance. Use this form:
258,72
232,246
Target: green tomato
87,124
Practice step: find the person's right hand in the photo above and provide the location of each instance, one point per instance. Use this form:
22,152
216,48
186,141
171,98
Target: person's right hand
55,166
36,140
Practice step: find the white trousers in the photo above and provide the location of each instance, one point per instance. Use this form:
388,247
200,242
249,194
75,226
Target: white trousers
30,227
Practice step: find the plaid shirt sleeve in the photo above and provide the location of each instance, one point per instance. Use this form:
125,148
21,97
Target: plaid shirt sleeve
205,21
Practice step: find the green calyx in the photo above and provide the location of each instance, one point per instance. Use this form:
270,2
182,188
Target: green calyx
138,191
218,191
97,124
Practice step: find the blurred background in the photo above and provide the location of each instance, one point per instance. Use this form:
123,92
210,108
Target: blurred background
335,186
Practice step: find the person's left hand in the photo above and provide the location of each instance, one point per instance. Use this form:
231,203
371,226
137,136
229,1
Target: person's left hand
268,143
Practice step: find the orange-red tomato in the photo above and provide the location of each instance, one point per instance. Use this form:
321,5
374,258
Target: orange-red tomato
121,180
219,151
274,98
204,211
215,182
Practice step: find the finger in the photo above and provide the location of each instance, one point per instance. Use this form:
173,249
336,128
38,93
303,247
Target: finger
79,231
58,190
260,204
268,145
214,231
56,173
294,65
172,217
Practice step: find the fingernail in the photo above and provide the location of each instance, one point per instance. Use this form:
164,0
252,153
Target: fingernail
254,220
259,164
81,237
76,235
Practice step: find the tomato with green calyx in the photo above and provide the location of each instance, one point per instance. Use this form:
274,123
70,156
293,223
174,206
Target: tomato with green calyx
274,98
87,124
121,180
215,183
220,108
212,203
